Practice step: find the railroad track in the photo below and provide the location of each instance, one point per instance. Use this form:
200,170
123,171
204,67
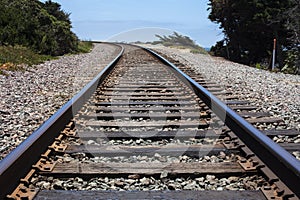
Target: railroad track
143,129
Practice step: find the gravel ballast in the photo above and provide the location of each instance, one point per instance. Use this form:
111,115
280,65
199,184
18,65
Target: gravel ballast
135,182
29,98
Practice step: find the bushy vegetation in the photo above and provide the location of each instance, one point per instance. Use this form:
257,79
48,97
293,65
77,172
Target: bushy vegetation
85,46
250,27
20,55
43,27
179,41
32,32
12,58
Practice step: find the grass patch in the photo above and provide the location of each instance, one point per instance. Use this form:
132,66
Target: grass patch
13,58
199,50
85,46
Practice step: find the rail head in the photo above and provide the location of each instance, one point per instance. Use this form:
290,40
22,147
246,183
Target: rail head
12,166
281,162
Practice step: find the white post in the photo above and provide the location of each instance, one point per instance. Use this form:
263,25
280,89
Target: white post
273,59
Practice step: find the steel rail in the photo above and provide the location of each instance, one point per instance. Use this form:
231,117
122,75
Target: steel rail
281,162
12,167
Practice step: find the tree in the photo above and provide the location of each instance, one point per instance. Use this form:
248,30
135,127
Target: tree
250,27
54,9
177,39
43,27
293,25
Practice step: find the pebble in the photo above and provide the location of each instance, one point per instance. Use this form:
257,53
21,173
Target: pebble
151,183
297,154
58,185
156,155
164,174
93,184
134,176
233,178
172,186
119,183
130,181
145,181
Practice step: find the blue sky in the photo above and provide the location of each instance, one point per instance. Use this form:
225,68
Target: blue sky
139,20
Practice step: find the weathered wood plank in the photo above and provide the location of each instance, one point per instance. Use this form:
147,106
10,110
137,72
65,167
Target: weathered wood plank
228,97
236,102
156,79
145,86
146,98
181,123
159,103
142,82
171,150
153,109
254,114
207,85
242,107
204,82
286,132
221,93
148,134
175,89
290,147
215,89
150,195
115,94
149,168
264,120
117,115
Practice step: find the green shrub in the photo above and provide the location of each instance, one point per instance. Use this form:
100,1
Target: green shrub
11,58
85,46
292,63
21,55
43,27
